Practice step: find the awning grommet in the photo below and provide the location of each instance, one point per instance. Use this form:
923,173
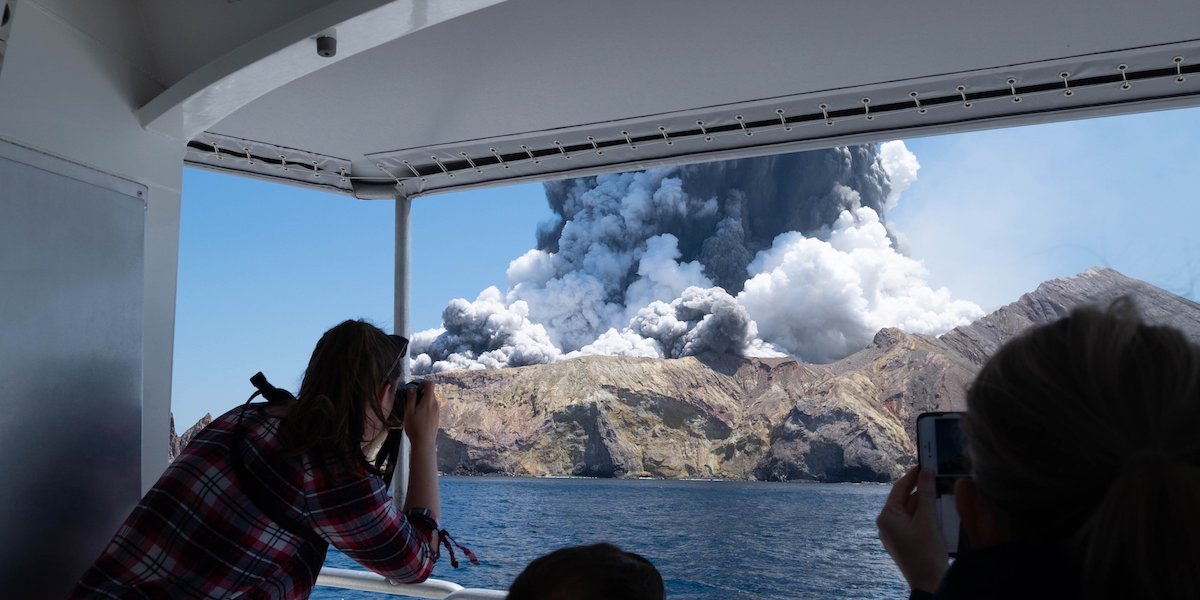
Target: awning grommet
1067,91
1124,79
962,91
530,154
470,162
414,170
663,131
783,120
703,131
632,146
562,150
499,159
1179,78
742,121
398,181
867,109
825,112
1012,86
917,101
441,166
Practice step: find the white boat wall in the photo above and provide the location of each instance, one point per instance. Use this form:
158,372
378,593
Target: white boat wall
102,103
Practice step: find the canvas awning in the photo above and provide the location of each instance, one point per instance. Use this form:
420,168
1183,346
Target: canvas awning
526,90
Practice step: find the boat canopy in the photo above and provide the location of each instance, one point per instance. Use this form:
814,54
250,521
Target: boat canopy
431,96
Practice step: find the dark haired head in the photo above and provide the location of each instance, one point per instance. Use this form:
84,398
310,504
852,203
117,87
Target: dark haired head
595,572
349,368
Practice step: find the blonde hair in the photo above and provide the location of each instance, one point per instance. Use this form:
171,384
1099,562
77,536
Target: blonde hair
1086,431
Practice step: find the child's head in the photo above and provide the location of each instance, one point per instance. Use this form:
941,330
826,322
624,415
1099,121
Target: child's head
595,572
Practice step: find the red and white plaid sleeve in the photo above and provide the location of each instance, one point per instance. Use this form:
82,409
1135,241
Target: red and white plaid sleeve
359,518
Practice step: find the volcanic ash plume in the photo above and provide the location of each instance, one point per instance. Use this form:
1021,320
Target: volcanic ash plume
759,256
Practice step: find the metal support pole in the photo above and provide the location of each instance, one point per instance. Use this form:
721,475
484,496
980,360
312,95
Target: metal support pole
400,326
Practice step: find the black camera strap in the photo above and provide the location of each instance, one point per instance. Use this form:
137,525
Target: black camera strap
389,453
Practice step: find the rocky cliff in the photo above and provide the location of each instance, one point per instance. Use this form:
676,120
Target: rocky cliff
716,416
747,418
1055,298
707,416
179,442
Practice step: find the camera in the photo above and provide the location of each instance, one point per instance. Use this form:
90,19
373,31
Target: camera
401,401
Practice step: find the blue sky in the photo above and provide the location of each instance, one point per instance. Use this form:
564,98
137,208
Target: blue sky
265,268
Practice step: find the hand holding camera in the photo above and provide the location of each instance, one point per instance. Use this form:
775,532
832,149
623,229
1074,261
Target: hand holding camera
418,402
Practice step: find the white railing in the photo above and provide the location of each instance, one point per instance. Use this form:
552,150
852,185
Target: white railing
437,589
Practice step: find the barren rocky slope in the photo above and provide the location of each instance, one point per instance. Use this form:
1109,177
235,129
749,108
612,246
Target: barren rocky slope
744,418
709,416
1055,298
178,442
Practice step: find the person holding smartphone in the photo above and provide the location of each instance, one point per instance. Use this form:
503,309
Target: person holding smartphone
942,449
1084,443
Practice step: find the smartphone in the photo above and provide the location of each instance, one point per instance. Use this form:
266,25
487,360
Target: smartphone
942,449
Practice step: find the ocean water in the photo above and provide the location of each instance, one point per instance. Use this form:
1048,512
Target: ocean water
709,539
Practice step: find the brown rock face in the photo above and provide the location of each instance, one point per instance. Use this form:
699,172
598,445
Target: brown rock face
743,418
1053,299
748,418
709,416
856,422
179,442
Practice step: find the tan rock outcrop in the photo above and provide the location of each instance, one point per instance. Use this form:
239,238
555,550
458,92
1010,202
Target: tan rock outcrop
709,416
179,442
748,418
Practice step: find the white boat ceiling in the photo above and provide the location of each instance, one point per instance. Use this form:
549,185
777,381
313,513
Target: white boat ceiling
431,96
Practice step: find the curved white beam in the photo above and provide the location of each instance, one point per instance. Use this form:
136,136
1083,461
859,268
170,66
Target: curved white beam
208,94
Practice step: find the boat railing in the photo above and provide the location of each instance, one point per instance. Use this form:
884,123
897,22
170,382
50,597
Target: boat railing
351,579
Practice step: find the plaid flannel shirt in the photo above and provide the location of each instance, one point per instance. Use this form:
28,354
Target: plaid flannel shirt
196,534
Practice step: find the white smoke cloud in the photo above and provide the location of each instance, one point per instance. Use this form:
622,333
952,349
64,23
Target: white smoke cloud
533,268
620,343
642,264
901,167
822,299
660,277
700,320
485,334
585,288
571,307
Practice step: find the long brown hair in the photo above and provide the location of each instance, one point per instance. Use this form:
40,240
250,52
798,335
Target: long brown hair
349,368
1087,431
